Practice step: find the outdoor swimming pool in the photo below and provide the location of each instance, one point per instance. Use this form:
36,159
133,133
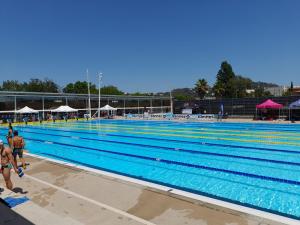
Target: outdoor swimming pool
256,165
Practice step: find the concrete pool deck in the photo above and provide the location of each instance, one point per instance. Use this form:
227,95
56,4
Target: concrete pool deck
62,194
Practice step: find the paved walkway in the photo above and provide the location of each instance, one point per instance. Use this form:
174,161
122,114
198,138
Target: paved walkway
60,194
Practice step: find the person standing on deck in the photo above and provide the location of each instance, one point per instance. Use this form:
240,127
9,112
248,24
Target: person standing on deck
9,135
7,163
18,145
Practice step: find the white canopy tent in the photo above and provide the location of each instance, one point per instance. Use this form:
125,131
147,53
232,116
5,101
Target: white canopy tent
110,110
107,108
64,108
26,110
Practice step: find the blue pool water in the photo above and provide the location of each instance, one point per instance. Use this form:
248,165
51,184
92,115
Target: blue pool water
256,165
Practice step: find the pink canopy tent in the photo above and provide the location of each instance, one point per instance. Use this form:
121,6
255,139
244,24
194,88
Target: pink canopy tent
269,104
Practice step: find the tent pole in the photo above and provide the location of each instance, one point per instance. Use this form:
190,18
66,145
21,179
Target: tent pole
255,113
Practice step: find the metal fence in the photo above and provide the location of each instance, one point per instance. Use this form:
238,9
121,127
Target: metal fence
241,107
44,102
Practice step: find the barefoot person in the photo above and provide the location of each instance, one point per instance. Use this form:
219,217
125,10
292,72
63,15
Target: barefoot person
18,145
7,163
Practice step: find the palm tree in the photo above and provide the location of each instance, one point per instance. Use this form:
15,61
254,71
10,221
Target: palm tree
201,88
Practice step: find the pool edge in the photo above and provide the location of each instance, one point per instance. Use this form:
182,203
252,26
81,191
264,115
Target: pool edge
178,192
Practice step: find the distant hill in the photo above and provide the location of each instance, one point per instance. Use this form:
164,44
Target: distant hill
184,91
263,84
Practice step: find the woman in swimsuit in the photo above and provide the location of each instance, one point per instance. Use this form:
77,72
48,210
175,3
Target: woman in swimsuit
9,135
7,163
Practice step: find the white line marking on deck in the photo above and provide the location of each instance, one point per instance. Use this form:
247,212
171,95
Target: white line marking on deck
118,211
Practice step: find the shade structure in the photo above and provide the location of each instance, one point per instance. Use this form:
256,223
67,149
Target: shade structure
26,110
107,108
269,104
295,104
64,108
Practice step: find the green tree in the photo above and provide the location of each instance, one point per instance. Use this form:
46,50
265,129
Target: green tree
34,85
111,90
12,85
37,85
201,88
219,89
289,91
80,87
182,97
184,91
50,86
138,94
69,88
224,85
240,85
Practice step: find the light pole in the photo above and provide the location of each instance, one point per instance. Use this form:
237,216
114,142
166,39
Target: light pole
99,99
89,93
171,102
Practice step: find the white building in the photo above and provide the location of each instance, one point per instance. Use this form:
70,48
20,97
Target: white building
277,91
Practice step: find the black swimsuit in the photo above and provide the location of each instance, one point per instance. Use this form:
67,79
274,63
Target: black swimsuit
9,135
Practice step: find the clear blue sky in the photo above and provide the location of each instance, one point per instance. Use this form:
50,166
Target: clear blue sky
149,45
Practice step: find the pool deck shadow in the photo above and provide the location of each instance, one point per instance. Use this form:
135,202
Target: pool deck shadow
85,197
10,217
